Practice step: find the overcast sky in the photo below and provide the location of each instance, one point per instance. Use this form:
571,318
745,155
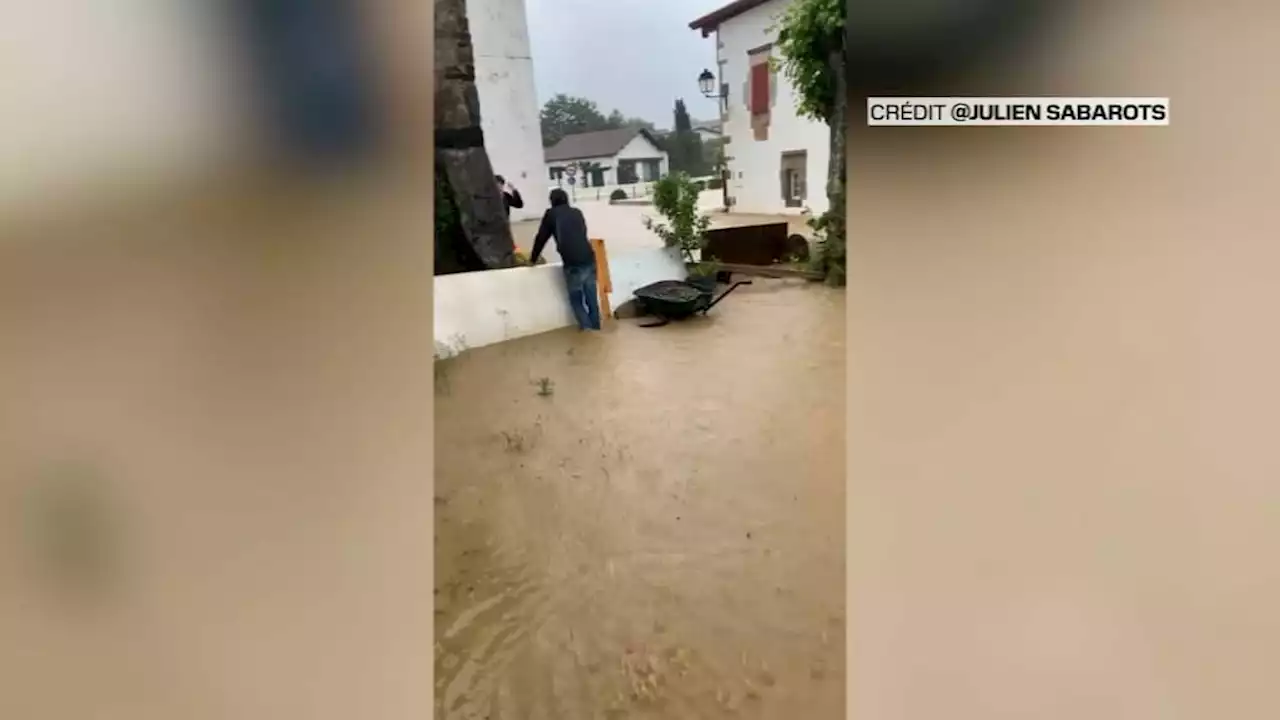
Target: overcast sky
634,55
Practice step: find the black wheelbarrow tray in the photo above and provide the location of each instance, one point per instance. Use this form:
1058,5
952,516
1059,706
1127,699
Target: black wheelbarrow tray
670,300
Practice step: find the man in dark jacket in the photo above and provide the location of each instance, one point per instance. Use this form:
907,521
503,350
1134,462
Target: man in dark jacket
567,225
510,196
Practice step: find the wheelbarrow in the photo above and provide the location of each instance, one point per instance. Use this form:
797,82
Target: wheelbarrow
670,300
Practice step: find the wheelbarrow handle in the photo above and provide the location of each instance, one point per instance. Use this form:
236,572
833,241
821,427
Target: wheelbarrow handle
724,294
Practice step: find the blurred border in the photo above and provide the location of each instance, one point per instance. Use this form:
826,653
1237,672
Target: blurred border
1062,384
236,361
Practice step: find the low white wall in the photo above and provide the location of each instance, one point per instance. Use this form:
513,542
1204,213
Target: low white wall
481,308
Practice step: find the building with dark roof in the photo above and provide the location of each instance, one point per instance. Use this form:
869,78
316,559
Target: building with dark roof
607,157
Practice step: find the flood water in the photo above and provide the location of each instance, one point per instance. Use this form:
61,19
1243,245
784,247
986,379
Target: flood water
647,522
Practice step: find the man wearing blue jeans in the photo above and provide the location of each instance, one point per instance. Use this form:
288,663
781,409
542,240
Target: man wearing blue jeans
567,225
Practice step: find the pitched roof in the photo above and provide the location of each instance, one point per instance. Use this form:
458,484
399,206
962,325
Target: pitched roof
709,22
602,143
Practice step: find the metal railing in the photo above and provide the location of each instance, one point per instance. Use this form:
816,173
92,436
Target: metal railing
578,193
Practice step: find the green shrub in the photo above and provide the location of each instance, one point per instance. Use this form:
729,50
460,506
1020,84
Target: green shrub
617,194
522,259
675,197
715,184
829,246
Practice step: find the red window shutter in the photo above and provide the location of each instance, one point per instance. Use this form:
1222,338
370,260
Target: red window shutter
760,89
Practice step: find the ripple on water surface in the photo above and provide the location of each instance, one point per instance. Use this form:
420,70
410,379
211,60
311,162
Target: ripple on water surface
646,522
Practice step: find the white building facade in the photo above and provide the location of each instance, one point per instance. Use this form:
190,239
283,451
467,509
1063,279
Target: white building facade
707,134
607,158
509,110
777,160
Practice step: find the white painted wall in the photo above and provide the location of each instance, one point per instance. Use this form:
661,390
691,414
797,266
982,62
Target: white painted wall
756,165
508,99
481,308
610,175
638,149
641,149
707,135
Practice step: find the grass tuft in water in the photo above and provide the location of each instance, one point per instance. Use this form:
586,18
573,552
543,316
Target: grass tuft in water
515,441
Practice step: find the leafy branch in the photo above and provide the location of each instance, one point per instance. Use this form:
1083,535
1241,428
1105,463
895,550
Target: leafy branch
810,32
811,47
675,197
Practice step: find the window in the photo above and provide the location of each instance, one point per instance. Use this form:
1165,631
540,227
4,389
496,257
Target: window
795,182
627,174
760,89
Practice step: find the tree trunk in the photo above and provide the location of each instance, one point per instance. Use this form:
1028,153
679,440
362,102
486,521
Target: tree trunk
459,142
837,174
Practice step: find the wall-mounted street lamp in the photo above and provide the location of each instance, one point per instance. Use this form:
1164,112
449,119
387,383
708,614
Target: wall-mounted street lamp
707,84
710,88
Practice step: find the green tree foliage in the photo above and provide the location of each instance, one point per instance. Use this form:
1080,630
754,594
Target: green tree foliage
675,197
585,170
714,151
567,115
617,120
811,42
684,146
811,31
682,121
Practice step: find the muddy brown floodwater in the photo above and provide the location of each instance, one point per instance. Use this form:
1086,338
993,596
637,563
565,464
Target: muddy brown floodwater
647,522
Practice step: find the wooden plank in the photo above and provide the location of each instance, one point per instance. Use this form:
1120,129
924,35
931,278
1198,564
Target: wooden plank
749,244
602,264
769,271
604,283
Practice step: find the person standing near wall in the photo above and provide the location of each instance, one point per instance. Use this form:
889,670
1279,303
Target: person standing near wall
510,196
568,226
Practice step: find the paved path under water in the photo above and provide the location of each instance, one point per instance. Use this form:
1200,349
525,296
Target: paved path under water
647,522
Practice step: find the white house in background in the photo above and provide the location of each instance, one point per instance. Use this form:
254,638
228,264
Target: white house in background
777,161
607,157
509,110
708,131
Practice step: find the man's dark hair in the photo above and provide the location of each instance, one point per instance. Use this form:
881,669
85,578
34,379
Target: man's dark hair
501,180
559,197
